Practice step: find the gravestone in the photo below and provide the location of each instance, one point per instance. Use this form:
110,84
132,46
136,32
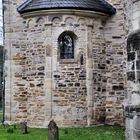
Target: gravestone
24,127
53,133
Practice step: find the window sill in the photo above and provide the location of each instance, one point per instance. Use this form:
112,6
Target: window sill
67,61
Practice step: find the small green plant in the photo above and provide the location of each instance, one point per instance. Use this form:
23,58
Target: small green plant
66,131
15,126
10,130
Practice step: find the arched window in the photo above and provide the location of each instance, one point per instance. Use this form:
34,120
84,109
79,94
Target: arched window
133,56
66,44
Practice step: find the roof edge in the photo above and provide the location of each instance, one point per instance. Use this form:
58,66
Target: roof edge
23,5
65,11
112,12
22,8
109,6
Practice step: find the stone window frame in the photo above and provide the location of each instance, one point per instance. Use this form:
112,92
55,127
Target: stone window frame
74,36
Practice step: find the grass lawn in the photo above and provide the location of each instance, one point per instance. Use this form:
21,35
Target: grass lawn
94,133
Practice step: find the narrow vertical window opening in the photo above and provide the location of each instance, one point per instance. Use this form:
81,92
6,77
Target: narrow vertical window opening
66,45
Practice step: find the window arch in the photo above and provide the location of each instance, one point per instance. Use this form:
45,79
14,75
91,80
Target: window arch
66,43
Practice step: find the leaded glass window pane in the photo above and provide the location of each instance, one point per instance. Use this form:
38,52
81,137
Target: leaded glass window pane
66,44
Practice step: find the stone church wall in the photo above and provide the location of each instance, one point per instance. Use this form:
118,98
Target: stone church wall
115,34
15,45
133,91
40,86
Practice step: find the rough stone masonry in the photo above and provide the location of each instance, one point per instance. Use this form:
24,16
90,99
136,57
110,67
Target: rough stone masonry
87,89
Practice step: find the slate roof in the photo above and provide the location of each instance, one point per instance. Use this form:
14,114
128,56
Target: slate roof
88,5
